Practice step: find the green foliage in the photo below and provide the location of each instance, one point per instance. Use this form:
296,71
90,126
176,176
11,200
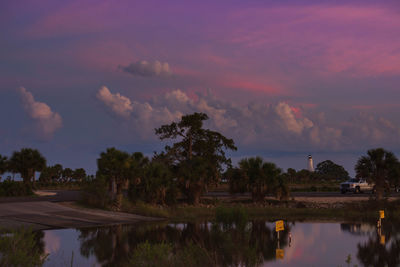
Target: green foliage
51,173
95,193
237,180
280,188
194,177
195,147
114,164
231,215
21,248
161,254
79,175
145,209
10,188
56,174
27,162
156,185
330,170
3,164
116,167
378,166
67,174
262,178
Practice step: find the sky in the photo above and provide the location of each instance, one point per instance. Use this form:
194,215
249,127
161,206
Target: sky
284,79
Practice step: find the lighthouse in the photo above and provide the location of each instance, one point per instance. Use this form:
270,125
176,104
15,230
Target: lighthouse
310,166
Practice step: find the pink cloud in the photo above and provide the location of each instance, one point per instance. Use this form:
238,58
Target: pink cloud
356,41
102,55
244,82
76,17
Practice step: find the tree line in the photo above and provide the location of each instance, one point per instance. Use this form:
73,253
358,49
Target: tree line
193,160
28,161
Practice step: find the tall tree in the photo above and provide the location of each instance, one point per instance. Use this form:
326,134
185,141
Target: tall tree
195,145
51,173
262,177
115,166
26,162
3,165
377,166
79,174
67,174
291,174
237,180
330,170
156,185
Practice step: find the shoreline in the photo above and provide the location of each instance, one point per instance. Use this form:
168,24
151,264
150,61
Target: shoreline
42,215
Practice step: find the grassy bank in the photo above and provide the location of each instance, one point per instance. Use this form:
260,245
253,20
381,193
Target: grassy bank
271,210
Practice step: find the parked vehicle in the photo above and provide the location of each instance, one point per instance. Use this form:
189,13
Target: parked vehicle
356,186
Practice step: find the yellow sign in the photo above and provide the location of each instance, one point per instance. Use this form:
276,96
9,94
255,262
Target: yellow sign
280,254
279,226
382,214
382,240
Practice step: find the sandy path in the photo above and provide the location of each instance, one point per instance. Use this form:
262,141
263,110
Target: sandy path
47,215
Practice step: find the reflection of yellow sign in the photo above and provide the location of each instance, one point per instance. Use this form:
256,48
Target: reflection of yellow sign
382,214
279,226
279,254
382,240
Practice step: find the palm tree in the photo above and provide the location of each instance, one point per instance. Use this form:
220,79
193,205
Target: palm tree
158,182
261,176
67,174
377,166
26,162
3,165
115,166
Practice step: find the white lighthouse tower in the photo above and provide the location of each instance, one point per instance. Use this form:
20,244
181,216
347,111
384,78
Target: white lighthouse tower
310,166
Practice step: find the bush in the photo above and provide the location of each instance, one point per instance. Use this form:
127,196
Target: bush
10,188
313,189
95,193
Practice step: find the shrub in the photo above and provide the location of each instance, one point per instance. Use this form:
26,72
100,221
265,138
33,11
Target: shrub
10,188
95,193
313,189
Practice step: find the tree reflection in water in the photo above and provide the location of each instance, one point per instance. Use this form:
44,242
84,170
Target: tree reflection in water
382,247
224,245
22,247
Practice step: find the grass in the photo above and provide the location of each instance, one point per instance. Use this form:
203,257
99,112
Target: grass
58,186
270,209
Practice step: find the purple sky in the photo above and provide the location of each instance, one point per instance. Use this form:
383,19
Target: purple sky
283,78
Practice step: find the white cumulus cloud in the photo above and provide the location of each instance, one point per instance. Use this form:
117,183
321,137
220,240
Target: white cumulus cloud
117,103
285,112
262,125
47,120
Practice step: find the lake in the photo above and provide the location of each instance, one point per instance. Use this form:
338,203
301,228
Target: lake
253,244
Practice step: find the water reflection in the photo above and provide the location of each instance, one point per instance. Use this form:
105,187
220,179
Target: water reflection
22,247
382,247
253,244
250,245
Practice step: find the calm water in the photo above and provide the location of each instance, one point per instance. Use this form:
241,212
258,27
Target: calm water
312,244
